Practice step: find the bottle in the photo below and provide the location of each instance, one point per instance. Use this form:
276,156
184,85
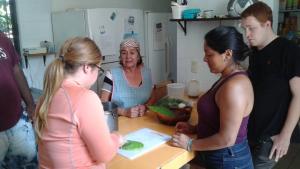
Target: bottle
282,4
193,89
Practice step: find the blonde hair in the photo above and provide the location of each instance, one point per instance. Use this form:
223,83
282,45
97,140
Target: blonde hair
76,52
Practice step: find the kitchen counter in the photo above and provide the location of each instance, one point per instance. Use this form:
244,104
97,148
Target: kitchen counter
165,156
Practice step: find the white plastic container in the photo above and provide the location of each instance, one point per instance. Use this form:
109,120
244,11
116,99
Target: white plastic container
177,11
176,90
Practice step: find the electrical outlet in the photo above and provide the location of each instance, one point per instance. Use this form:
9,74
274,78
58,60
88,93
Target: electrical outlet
194,67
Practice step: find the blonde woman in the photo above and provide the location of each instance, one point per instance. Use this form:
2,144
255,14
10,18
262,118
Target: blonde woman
70,124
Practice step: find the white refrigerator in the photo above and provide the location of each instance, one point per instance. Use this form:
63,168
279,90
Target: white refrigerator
107,26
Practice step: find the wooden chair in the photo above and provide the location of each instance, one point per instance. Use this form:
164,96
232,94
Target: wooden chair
161,90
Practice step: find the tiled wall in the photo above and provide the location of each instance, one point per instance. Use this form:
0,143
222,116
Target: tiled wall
190,46
34,19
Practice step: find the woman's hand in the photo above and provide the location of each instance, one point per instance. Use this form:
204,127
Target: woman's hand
122,139
142,110
132,112
180,140
185,127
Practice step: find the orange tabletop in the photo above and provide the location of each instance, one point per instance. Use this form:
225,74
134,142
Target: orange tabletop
164,156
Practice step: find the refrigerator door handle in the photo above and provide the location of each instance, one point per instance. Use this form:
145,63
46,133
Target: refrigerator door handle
167,56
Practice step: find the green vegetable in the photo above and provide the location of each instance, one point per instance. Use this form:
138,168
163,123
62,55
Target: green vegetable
134,145
171,102
162,110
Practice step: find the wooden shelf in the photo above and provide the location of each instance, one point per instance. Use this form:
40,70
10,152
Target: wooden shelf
42,54
289,10
38,54
202,19
207,19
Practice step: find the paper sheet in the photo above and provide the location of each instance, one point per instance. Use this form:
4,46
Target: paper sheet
129,35
159,34
107,42
129,25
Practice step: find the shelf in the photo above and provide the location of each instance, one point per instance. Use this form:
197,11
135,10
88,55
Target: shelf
42,54
38,54
289,10
202,19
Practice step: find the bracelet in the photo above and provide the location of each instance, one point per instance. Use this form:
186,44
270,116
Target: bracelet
189,145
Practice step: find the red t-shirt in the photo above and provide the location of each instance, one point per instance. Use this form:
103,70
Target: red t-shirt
10,98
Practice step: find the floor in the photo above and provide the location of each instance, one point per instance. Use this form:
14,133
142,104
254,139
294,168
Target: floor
292,159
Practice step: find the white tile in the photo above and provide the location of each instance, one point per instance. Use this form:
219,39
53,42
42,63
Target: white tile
207,26
29,30
181,48
190,75
44,1
21,1
43,11
193,4
194,48
180,32
27,43
219,7
194,30
27,11
205,85
182,81
181,67
208,76
45,29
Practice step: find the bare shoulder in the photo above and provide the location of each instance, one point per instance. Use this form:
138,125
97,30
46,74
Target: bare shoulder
237,87
238,82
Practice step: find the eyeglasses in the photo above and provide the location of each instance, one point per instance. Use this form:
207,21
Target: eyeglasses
101,71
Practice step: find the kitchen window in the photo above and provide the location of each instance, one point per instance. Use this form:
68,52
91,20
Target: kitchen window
8,22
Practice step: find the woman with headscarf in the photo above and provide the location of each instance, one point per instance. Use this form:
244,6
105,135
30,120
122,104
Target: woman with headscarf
129,85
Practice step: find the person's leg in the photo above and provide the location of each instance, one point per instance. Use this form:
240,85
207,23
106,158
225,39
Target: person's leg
3,147
238,156
22,151
260,150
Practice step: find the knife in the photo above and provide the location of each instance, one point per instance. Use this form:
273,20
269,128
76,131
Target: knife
126,144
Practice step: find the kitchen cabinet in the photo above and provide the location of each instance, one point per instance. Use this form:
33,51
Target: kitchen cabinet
202,19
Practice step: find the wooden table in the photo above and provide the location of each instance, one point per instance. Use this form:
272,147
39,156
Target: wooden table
165,156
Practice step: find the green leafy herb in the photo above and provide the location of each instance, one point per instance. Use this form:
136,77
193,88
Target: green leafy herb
162,110
134,145
171,102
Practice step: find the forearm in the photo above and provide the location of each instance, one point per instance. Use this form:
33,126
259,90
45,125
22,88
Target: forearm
213,142
121,112
151,100
23,86
292,117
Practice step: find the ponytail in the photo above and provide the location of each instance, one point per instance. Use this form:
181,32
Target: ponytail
53,79
74,52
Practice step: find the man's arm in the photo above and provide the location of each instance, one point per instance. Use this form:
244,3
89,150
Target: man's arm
24,91
282,140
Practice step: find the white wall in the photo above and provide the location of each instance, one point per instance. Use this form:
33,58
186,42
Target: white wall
153,5
34,19
190,46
